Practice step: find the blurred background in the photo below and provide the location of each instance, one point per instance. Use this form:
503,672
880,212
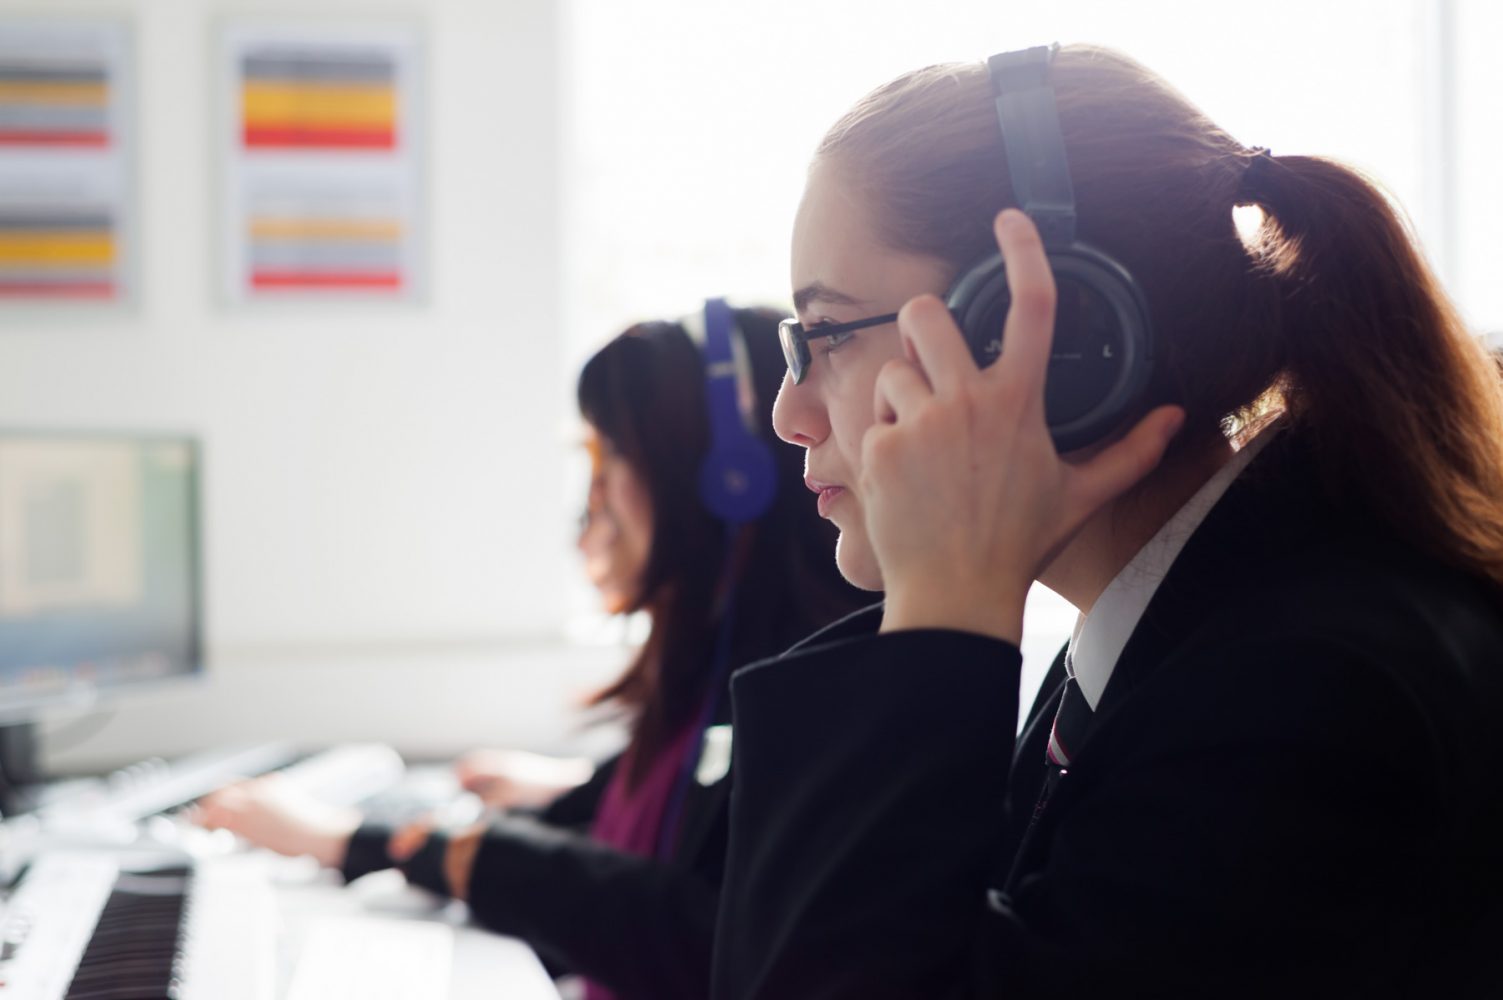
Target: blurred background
390,486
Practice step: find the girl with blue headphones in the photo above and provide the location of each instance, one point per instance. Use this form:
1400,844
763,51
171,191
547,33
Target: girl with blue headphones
1266,466
695,516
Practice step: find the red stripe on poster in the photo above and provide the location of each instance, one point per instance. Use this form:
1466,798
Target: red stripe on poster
319,138
326,279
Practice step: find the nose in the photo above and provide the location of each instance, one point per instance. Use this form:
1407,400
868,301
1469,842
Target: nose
798,414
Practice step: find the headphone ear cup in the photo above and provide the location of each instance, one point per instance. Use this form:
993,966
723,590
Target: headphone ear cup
978,300
738,477
738,481
1101,355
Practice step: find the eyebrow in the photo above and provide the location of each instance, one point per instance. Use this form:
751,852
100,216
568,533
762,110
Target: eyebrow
824,293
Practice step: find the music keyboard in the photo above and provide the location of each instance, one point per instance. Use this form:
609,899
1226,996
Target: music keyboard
79,927
83,927
249,926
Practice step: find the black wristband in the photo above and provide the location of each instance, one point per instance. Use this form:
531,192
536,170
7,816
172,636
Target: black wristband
366,851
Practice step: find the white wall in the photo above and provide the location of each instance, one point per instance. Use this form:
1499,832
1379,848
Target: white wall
428,700
373,476
371,473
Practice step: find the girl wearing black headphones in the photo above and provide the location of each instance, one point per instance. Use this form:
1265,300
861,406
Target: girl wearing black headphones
1269,763
617,879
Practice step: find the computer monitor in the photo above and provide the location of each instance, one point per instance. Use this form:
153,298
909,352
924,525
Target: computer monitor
99,571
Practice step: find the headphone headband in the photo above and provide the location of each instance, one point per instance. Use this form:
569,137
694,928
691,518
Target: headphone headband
1029,119
1102,353
738,479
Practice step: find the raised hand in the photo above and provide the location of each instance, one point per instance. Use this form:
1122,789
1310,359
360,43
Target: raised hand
966,498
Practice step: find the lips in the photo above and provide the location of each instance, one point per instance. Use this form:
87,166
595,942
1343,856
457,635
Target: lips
828,493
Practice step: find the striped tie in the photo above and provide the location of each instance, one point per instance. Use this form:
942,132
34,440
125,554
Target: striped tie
1071,722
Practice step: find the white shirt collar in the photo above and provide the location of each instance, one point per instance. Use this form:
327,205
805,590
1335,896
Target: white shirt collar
1099,637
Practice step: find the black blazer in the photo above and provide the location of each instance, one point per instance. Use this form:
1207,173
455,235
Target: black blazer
1293,786
642,927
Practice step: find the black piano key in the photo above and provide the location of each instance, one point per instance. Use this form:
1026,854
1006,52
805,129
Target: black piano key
135,951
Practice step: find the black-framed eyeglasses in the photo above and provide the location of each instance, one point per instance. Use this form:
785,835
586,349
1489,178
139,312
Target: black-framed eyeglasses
795,339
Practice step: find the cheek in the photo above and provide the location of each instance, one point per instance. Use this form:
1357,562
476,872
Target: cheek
848,429
850,400
633,509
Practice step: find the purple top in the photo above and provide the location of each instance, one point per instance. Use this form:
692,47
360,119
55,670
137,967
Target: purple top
631,820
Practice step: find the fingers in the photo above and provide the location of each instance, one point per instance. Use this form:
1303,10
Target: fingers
408,841
471,783
475,768
1127,462
900,388
221,809
470,778
932,339
459,860
1028,334
209,814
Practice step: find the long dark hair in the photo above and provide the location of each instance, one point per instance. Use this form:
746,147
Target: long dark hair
1328,313
645,393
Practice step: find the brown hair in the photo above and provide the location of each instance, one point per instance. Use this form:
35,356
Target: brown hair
645,393
1328,312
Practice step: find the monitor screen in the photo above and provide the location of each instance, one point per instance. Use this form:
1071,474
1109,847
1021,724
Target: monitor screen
99,566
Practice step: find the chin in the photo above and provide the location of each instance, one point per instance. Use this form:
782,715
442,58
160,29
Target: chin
854,559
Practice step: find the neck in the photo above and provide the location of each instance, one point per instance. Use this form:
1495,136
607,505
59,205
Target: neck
1116,533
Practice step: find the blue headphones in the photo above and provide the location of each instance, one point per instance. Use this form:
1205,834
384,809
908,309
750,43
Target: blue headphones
1103,337
738,478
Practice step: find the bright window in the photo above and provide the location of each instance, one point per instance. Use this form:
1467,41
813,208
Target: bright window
687,144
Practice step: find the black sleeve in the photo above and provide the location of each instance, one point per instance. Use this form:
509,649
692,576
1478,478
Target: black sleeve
859,842
575,809
366,852
642,928
1247,848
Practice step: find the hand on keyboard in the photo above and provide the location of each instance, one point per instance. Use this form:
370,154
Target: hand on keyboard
274,813
506,779
459,852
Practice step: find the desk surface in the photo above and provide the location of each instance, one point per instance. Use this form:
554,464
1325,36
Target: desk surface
485,964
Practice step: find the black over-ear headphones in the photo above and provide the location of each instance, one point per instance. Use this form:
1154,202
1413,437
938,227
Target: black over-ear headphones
738,478
1103,337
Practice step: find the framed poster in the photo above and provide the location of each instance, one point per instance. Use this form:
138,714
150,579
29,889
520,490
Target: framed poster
324,147
67,199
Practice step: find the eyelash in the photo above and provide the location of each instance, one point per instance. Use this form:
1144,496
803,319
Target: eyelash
830,345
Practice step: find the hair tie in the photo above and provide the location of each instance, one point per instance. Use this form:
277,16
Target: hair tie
1256,170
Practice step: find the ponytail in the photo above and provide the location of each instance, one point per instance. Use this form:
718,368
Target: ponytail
1401,402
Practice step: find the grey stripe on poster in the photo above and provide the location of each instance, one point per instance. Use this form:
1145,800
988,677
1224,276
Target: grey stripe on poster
17,71
53,118
324,256
12,218
55,275
327,65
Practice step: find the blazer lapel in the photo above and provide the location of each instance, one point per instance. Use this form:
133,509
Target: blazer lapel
1242,542
1269,511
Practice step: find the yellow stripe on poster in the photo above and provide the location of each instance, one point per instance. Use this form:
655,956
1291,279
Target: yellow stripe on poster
325,229
43,249
88,94
264,104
